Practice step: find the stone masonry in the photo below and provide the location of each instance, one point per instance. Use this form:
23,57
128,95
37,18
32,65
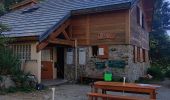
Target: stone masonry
116,52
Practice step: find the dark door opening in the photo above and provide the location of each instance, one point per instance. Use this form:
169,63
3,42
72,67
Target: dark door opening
60,62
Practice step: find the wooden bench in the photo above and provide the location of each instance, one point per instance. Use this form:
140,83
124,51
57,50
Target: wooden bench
91,78
95,96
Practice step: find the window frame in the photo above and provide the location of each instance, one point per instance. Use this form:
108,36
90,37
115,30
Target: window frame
22,51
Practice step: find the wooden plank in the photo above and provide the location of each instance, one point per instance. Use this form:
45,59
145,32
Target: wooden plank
113,97
52,36
66,35
87,29
62,42
128,87
42,45
59,30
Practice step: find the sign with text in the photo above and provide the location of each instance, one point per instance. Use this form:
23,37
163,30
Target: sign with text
106,36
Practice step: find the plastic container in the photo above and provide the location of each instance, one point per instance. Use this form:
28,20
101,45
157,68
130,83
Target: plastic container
108,76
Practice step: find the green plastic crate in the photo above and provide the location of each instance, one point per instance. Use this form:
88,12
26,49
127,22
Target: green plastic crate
108,76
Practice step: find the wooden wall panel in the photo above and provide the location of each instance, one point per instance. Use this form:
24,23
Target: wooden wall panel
79,29
112,23
86,28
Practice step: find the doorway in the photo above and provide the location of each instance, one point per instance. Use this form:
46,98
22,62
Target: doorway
46,64
60,62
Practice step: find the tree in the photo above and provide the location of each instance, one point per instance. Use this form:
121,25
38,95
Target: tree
159,39
2,9
6,4
3,40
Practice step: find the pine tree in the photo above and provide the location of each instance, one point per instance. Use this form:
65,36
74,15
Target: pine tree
159,39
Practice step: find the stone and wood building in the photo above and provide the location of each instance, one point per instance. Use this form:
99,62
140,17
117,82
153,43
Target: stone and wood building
69,39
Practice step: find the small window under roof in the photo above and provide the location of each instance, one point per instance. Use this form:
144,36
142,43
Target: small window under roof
29,10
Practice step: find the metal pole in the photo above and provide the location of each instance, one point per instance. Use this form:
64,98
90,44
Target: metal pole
76,63
53,93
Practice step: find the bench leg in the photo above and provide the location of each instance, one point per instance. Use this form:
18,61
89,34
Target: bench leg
96,91
103,91
153,95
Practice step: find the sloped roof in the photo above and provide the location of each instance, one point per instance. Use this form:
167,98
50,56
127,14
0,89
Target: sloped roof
48,15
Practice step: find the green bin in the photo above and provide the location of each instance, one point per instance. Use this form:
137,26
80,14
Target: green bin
107,76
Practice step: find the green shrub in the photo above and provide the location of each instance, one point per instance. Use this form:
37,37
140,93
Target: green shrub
167,74
9,63
156,72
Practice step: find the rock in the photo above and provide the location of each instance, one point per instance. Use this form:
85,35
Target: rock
7,82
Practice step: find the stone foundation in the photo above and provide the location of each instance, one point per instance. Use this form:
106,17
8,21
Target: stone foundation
116,52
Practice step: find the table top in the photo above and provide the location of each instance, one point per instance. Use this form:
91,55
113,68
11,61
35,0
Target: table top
129,85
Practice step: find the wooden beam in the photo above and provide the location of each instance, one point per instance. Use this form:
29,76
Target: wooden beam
42,45
62,42
60,30
52,36
66,35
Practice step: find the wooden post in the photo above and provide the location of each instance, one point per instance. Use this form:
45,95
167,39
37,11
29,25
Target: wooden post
76,63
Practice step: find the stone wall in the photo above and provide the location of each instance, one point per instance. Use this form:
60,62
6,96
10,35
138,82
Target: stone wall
116,52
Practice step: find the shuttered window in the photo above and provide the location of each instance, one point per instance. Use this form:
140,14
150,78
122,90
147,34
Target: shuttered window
141,55
138,15
135,53
144,55
23,51
138,54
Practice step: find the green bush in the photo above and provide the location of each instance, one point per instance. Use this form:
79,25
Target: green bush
167,74
156,72
9,63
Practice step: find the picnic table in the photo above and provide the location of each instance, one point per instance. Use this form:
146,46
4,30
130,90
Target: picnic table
127,87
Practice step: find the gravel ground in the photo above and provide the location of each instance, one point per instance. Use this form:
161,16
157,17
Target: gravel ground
77,92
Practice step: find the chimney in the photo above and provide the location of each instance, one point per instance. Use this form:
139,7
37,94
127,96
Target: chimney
23,4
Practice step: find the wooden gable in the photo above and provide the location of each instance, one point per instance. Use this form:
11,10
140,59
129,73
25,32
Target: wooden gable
61,36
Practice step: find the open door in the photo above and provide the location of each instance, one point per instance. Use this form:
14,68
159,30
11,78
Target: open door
60,62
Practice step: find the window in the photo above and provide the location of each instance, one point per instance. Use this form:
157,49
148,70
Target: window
135,53
103,51
144,55
140,17
138,54
100,51
23,51
143,22
47,55
95,51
